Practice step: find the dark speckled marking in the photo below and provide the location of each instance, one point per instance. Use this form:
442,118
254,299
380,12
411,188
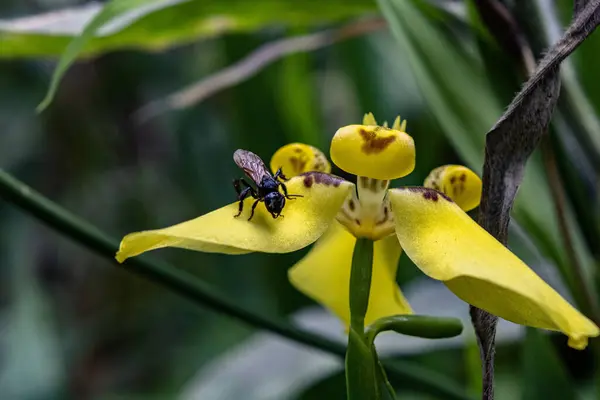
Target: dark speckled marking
351,205
428,194
321,178
385,217
374,144
463,177
373,186
298,164
308,181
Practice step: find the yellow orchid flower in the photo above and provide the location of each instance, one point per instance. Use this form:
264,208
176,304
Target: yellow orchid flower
428,222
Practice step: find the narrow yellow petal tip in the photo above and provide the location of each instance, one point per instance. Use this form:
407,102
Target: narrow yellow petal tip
369,119
459,183
373,151
304,220
297,158
578,343
121,255
447,245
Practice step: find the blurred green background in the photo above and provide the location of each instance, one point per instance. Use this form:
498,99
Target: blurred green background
74,327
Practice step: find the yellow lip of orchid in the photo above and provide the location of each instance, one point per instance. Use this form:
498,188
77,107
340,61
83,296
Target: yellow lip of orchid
447,245
374,151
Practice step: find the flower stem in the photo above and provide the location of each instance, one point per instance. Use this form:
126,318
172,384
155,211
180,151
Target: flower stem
360,283
188,286
361,375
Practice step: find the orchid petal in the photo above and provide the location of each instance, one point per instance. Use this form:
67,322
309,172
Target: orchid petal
297,158
324,275
447,245
305,219
459,183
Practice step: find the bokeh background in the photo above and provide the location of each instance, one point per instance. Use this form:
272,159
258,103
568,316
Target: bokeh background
72,326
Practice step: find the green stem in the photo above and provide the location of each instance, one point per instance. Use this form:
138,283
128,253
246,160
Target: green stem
360,284
188,286
361,375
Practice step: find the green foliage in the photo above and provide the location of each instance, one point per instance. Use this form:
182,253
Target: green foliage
158,24
544,376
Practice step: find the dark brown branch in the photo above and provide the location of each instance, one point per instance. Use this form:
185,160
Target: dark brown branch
509,144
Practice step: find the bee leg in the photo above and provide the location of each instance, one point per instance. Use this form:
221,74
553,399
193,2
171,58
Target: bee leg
285,192
237,184
279,175
242,194
253,207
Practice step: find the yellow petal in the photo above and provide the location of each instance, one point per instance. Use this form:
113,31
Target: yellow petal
446,244
305,220
324,275
373,151
297,158
459,183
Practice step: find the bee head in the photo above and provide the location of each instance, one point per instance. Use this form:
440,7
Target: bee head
274,202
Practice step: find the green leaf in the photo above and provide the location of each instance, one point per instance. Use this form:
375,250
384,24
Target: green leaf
416,325
154,24
159,24
544,376
110,11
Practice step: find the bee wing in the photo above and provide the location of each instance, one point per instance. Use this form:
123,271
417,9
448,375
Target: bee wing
252,165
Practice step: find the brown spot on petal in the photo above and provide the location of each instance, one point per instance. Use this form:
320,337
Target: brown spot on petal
373,186
364,182
351,205
463,177
373,143
298,164
308,181
428,194
321,178
453,179
298,150
385,217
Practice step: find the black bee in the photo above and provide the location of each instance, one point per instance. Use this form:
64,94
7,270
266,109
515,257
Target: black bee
267,185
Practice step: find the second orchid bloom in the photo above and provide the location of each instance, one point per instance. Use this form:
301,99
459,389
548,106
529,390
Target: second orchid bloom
428,223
